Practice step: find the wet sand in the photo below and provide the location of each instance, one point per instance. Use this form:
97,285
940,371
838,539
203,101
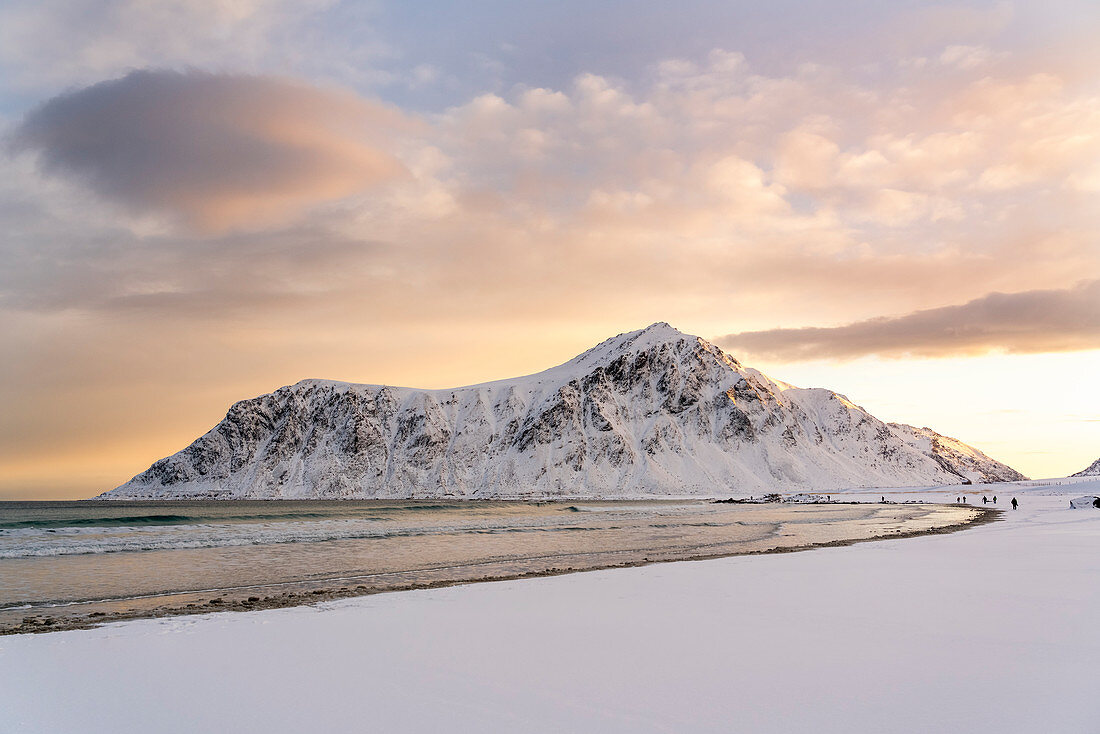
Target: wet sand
768,528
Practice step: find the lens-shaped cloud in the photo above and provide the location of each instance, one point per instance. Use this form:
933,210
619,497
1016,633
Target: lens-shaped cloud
1030,321
217,151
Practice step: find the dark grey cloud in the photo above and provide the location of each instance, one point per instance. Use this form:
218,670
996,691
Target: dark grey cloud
1030,321
218,151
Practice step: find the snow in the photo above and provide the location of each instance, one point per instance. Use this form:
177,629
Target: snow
1086,502
648,413
993,629
802,497
1092,470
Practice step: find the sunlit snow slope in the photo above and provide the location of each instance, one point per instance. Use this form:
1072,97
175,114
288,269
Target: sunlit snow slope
647,413
1093,470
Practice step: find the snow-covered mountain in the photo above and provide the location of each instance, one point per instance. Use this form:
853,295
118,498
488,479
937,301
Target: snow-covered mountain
1093,470
647,413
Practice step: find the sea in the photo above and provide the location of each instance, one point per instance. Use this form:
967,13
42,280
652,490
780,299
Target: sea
71,563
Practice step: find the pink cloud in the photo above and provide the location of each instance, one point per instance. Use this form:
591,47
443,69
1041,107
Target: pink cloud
219,152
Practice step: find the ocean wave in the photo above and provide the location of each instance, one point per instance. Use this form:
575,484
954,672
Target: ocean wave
151,531
38,542
114,521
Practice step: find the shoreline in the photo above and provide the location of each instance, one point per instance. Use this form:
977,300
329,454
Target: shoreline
312,592
899,636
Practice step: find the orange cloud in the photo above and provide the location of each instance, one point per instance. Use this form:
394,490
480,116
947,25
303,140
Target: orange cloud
219,152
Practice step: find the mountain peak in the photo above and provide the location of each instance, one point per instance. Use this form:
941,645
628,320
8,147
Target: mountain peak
1093,470
661,326
652,412
654,335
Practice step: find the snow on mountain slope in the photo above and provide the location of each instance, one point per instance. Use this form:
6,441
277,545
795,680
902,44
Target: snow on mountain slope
1093,470
956,456
647,413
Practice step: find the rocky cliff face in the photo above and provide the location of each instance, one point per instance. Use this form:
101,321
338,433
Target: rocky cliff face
648,413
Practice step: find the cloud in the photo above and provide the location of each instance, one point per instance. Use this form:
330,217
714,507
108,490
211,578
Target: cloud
53,44
713,190
965,57
217,151
1030,321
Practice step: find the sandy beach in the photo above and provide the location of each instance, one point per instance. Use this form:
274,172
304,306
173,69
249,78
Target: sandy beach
81,565
987,630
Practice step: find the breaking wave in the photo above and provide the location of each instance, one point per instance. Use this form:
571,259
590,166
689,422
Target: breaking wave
90,530
37,542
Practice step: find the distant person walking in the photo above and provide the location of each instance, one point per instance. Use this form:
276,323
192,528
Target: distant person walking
1013,503
994,499
964,499
957,500
985,499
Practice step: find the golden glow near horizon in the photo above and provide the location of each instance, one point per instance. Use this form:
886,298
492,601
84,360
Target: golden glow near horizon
912,194
1007,406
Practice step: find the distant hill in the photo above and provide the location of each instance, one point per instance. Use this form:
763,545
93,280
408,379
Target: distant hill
1092,470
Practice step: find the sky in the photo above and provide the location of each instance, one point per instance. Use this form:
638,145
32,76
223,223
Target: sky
201,201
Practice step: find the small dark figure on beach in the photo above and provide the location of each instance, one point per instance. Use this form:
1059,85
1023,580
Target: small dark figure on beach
956,500
994,499
884,498
985,499
1013,503
964,499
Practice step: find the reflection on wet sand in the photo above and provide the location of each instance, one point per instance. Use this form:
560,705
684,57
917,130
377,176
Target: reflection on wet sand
393,546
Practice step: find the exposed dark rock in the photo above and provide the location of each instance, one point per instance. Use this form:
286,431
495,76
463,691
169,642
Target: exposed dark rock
653,412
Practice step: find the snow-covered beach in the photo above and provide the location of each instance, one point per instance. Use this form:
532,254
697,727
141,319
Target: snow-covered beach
989,629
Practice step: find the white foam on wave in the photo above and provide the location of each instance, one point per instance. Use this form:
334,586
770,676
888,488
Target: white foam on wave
38,542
